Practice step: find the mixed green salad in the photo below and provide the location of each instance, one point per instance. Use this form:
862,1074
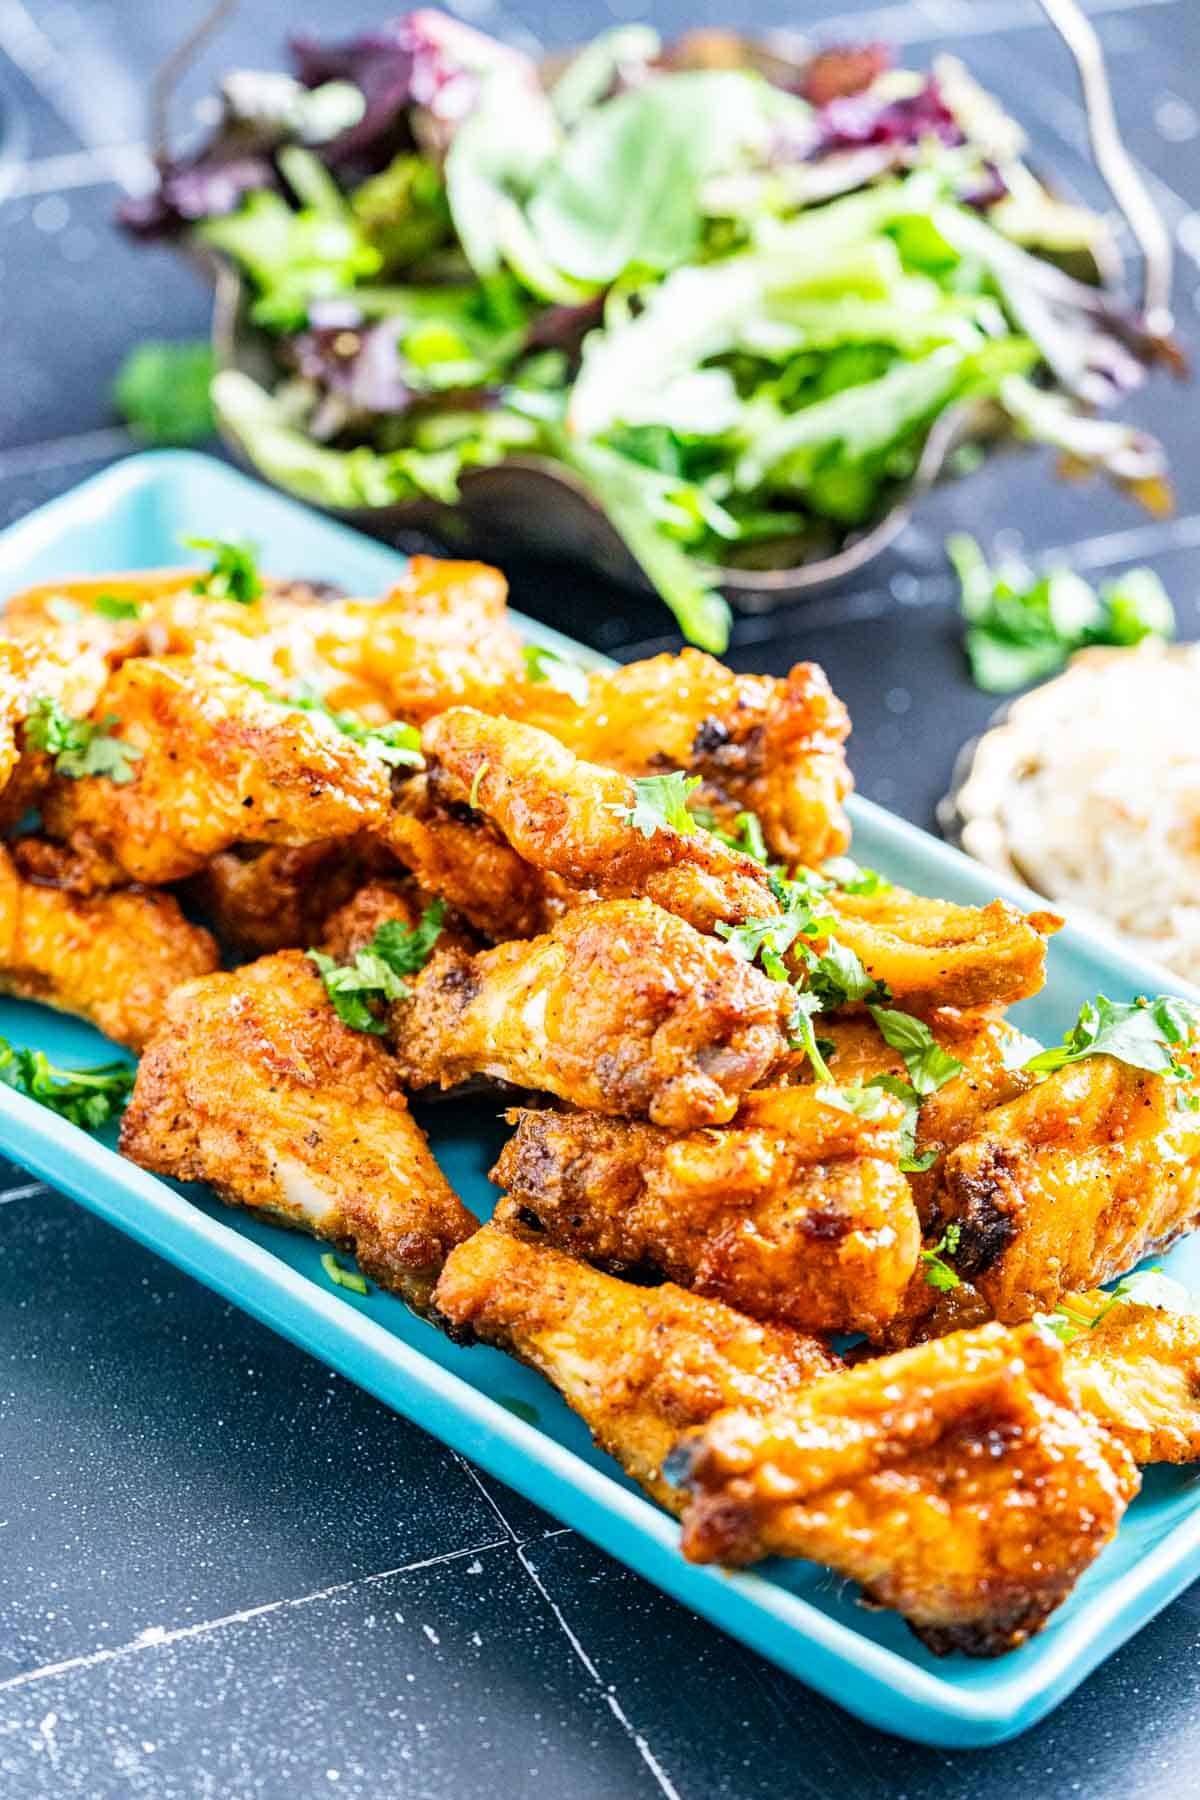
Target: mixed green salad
732,301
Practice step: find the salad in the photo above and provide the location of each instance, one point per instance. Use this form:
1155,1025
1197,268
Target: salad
732,301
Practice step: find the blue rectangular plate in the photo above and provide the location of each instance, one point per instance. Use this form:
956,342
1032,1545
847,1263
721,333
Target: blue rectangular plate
480,1402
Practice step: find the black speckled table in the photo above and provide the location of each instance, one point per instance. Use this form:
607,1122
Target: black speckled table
223,1571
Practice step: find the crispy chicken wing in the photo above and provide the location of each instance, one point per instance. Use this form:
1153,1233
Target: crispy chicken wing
638,1364
60,668
260,898
1071,1184
797,1211
955,1482
113,958
256,1086
759,743
219,764
621,1007
455,852
1137,1370
934,953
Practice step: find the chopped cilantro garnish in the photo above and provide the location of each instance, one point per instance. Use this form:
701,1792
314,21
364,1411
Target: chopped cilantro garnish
853,878
545,665
1145,1287
1142,1033
660,803
346,1278
746,837
79,746
802,1036
929,1066
234,573
866,1102
375,976
85,1097
115,606
938,1272
910,1162
396,744
473,796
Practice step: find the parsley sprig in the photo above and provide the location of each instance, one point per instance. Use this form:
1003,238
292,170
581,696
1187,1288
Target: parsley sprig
1143,1033
938,1272
85,1097
234,572
376,976
547,667
343,1278
79,746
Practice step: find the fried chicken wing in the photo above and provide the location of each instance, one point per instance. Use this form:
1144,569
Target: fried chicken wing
256,1086
758,743
954,1482
260,898
1071,1184
933,953
621,1007
1136,1369
60,668
219,763
455,852
573,819
638,1364
113,959
796,1211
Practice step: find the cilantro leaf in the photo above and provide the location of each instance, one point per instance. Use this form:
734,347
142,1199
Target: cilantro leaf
396,744
543,665
345,1278
660,803
938,1272
837,975
115,606
746,837
864,1102
1142,1033
910,1162
79,746
1145,1287
85,1097
375,977
929,1066
234,573
802,1036
854,878
162,392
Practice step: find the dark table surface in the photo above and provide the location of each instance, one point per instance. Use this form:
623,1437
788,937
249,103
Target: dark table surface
223,1570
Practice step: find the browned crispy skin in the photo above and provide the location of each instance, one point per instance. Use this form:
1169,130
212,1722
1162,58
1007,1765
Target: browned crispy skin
1071,1184
571,819
621,1007
260,898
59,666
955,1482
638,1364
113,959
255,1086
797,1211
934,953
759,743
1137,1371
220,764
456,853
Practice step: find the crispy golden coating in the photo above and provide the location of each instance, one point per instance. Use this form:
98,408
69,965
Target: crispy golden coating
638,1364
260,898
572,819
256,1086
1137,1370
934,953
621,1007
797,1211
60,667
1071,1184
456,853
220,764
113,958
955,1482
758,743
386,901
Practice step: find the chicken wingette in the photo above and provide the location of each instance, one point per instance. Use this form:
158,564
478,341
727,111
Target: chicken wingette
1071,1184
796,1211
1136,1369
217,763
255,1086
260,898
455,852
621,1007
638,1364
956,1483
113,959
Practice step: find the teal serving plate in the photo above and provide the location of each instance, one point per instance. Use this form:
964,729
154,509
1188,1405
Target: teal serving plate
478,1401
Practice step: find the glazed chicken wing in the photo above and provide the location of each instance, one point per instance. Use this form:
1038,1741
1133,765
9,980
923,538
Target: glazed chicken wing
1071,1184
1136,1369
621,1007
758,743
796,1211
218,764
113,959
638,1364
256,1086
933,953
954,1482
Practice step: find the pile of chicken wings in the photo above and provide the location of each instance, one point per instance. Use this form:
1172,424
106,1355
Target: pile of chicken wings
310,855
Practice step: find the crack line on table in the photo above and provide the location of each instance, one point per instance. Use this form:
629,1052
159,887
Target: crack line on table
156,1636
